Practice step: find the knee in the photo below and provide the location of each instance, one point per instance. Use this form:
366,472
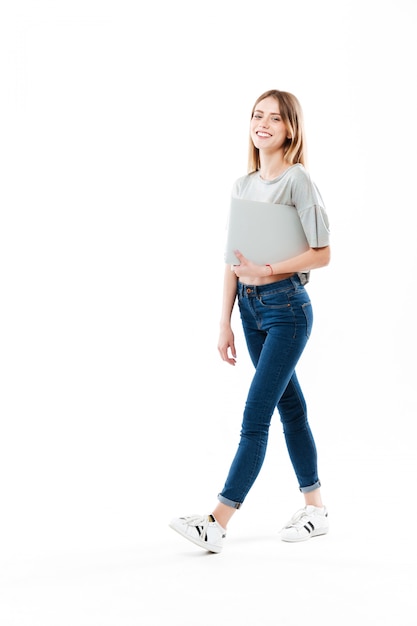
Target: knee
294,424
255,428
253,431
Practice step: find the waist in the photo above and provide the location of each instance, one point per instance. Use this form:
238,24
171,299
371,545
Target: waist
248,290
265,280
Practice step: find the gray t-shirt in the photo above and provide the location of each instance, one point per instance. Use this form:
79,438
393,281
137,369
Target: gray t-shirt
294,188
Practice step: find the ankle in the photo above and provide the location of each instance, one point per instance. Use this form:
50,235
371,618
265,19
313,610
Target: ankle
213,518
313,498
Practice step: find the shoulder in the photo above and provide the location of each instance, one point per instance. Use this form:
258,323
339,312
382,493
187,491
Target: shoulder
242,183
299,174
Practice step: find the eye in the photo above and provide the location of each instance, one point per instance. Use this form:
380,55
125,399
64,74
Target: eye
276,119
257,116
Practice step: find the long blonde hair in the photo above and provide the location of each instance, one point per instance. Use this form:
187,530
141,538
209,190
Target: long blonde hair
292,116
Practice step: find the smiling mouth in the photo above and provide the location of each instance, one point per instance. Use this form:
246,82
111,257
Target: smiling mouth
261,134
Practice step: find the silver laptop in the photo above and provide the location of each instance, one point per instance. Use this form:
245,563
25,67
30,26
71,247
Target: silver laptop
263,232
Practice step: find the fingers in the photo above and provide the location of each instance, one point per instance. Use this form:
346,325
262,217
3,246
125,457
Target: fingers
239,255
230,360
228,354
231,355
242,268
247,267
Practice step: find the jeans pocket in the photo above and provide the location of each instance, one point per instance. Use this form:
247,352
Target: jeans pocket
274,300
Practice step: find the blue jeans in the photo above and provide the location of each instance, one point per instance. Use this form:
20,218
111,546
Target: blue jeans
277,321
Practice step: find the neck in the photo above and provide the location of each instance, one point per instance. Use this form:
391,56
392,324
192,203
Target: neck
271,168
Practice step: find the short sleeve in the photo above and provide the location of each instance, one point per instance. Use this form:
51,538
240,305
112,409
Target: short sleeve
310,207
316,226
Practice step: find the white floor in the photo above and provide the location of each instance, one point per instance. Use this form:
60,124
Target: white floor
340,579
362,572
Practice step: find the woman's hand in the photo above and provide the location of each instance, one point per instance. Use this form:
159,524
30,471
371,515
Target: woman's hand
247,268
226,345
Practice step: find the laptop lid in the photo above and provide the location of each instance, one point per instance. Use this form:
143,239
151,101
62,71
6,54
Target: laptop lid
263,232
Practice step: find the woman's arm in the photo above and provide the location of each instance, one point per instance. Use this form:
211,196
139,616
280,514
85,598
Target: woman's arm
312,259
226,344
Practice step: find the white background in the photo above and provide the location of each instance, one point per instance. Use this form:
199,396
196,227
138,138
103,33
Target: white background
123,127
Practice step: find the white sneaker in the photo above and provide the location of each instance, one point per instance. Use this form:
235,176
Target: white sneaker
203,530
306,523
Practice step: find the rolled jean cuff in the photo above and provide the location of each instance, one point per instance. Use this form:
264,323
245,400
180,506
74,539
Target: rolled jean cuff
316,485
223,500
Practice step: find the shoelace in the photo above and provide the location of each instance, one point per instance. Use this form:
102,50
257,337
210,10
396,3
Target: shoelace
199,520
297,518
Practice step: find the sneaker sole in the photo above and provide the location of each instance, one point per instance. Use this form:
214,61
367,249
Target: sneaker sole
317,533
201,544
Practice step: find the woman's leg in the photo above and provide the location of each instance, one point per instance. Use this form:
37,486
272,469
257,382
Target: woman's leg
276,336
314,498
277,321
223,514
312,520
299,439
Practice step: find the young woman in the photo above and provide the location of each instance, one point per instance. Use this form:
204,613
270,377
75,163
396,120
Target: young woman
277,317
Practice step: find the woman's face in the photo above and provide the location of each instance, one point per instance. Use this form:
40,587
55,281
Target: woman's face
267,130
